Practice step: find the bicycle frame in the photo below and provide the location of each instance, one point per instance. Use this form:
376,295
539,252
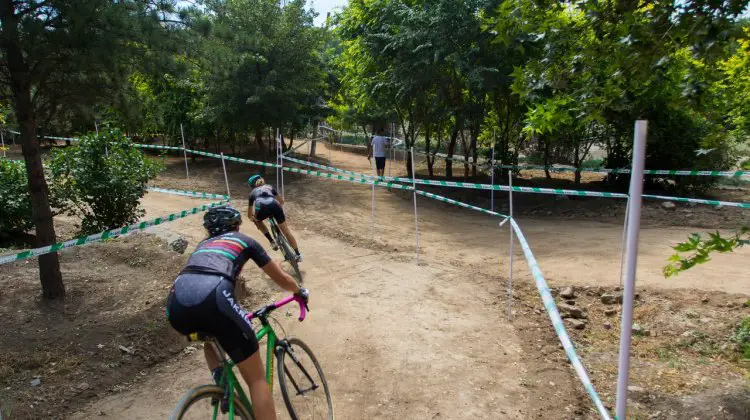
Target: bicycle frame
229,380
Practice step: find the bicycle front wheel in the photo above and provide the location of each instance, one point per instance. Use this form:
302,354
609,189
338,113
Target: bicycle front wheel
204,402
302,383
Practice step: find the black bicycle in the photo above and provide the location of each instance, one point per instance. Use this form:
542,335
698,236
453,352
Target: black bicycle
282,242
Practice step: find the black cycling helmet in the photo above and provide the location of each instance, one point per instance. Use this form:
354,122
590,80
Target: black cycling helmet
255,181
222,219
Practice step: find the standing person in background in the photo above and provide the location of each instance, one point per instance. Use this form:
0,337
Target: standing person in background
378,148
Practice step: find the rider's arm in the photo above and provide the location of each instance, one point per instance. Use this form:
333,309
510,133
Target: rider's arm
277,196
284,280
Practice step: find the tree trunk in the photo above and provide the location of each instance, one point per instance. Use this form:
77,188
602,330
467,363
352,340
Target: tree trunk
430,162
577,164
451,150
49,264
465,150
547,143
474,152
261,146
314,143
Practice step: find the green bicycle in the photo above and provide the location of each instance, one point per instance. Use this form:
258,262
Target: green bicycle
286,248
301,380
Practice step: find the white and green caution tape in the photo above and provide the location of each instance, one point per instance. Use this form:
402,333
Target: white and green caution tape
156,146
195,194
731,174
557,322
536,190
109,234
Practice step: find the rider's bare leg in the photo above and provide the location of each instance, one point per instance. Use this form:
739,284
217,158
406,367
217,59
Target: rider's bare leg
252,372
288,233
261,227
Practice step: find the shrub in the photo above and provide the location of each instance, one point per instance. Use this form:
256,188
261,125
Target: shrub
15,211
101,180
742,337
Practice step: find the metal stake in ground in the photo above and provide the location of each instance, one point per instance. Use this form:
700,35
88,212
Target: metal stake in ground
634,225
492,173
226,180
2,139
281,160
374,174
184,152
416,218
510,252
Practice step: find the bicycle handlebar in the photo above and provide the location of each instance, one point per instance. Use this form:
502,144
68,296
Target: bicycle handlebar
276,305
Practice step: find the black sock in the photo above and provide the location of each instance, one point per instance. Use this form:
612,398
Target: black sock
216,373
296,251
268,236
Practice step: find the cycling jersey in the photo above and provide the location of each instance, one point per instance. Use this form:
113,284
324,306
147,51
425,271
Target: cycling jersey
225,255
266,205
263,193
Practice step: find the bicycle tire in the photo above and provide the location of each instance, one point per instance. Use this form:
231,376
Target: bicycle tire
203,392
289,255
284,386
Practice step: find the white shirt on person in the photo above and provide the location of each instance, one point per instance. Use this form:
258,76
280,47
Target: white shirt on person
379,144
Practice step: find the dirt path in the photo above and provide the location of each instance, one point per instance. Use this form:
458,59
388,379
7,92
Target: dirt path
396,340
399,340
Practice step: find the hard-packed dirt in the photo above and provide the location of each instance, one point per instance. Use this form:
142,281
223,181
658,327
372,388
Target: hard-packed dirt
396,339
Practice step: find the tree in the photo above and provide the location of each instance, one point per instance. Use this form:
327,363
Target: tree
67,51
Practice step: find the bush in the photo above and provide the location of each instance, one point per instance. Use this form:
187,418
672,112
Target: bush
15,211
742,337
101,180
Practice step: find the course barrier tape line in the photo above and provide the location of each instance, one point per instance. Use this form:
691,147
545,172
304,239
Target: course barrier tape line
557,322
731,174
536,190
109,234
361,180
188,193
461,159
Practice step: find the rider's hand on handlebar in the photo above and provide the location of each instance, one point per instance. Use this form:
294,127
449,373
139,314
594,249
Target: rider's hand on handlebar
303,294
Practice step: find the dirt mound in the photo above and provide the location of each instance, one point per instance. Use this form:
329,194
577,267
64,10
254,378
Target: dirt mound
105,333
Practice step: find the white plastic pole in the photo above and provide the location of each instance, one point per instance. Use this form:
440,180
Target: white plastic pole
281,161
492,173
622,243
374,174
510,252
2,139
392,151
226,180
96,127
634,225
184,152
414,185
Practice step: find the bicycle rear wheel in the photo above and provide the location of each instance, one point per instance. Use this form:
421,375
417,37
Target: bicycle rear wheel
289,255
302,383
202,403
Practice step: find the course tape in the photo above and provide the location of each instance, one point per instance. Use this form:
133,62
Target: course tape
732,174
536,190
109,234
361,180
188,193
557,322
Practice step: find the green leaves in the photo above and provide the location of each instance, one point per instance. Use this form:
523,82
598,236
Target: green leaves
101,180
15,212
700,249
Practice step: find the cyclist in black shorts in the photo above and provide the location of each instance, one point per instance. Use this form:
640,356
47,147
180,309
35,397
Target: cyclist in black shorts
266,202
202,300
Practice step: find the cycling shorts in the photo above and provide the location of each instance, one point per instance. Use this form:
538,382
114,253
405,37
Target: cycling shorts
265,208
206,303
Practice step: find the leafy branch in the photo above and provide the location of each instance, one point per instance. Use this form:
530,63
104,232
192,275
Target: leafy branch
699,249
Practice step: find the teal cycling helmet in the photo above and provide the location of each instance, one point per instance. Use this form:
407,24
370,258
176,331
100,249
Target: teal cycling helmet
253,179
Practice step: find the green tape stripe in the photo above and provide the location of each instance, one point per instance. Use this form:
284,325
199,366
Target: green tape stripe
4,259
549,304
188,193
731,174
536,190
